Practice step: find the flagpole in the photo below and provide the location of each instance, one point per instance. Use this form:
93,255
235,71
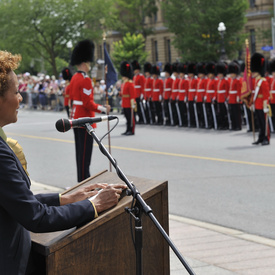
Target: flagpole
107,101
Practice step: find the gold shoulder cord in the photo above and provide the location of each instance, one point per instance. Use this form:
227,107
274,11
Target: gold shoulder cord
18,150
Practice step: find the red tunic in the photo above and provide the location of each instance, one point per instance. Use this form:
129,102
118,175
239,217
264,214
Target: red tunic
272,91
66,95
127,93
234,93
263,93
183,88
192,88
139,81
200,91
83,97
222,90
148,88
168,83
157,89
175,89
210,91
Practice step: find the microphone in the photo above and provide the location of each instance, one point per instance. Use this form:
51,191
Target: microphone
64,125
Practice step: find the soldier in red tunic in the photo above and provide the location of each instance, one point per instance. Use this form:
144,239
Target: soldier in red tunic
182,95
138,81
157,95
234,96
148,92
168,82
128,96
83,105
222,94
174,94
260,97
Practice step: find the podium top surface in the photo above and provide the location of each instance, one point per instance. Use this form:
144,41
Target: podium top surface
46,243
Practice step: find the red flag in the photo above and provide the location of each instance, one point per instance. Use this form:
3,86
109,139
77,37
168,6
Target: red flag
246,93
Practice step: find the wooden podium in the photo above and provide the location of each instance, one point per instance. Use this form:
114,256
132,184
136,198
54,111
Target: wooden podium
104,246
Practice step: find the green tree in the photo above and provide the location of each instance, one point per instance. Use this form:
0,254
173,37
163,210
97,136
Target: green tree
130,48
195,24
37,28
131,14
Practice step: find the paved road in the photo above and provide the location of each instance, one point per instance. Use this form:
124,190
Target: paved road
214,176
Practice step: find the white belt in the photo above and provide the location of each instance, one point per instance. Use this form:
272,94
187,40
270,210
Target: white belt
201,90
233,92
272,91
77,102
146,90
169,89
175,91
210,91
182,91
156,90
137,86
221,91
192,90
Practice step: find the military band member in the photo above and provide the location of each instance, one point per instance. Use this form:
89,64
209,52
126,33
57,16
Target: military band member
128,96
175,91
168,82
139,80
182,96
200,93
83,105
234,96
222,94
157,95
148,86
192,86
210,94
260,97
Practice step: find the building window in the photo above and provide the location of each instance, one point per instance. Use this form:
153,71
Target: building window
252,3
156,51
168,50
252,41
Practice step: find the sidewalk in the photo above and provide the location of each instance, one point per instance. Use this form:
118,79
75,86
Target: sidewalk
210,249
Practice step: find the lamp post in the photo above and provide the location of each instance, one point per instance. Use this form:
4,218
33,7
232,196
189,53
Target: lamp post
222,29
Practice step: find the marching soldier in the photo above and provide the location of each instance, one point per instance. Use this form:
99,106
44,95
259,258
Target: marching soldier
260,97
128,96
192,86
234,96
222,94
210,94
157,95
168,82
174,94
148,92
200,93
182,96
139,88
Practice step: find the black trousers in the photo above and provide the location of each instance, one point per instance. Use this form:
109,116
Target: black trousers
130,120
263,132
192,114
200,114
83,149
222,118
183,113
235,115
158,111
209,115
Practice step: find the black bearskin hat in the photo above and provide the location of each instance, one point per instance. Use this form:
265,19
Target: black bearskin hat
272,65
155,70
136,65
191,69
83,52
201,68
126,69
175,67
258,63
182,68
168,68
221,68
233,68
210,68
67,74
147,67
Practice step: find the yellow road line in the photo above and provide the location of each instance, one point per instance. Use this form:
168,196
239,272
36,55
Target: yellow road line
155,152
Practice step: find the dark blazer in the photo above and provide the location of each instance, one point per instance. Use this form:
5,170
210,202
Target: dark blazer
21,212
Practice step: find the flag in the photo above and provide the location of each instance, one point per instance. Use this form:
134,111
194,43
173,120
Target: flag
246,92
111,74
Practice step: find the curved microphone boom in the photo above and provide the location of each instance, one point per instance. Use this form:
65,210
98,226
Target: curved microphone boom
64,125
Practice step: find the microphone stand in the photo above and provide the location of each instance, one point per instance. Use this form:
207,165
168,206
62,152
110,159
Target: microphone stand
137,211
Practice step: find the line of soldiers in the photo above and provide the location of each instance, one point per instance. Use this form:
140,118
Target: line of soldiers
202,95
